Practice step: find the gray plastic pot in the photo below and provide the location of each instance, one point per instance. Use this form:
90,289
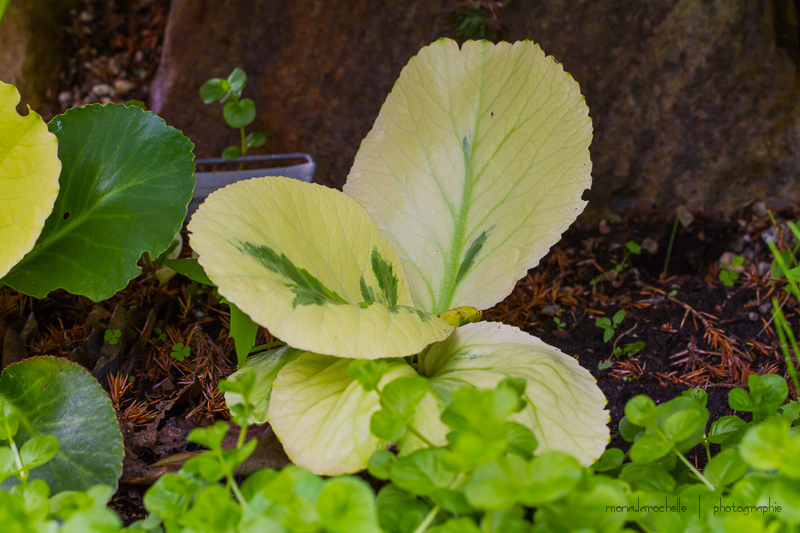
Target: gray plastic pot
208,182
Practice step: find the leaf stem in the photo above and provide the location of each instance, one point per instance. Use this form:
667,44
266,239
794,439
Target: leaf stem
423,526
695,471
669,248
23,474
244,147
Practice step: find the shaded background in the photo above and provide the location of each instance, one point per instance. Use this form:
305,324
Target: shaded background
693,102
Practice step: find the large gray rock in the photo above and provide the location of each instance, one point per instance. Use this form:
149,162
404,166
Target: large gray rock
28,46
693,101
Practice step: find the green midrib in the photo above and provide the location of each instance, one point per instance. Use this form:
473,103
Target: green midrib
453,262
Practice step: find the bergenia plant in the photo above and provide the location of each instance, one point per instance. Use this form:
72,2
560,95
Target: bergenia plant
83,197
474,168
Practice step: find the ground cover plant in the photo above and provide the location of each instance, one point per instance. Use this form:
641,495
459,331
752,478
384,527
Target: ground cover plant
481,480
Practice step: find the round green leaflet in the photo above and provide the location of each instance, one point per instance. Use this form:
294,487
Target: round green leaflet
29,170
126,182
57,397
309,264
475,166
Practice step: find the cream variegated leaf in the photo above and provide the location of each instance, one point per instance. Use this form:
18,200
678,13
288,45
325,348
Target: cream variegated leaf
322,415
29,171
309,264
475,166
565,410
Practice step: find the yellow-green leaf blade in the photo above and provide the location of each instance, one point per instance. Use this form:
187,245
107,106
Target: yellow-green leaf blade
322,415
566,409
29,171
309,264
475,166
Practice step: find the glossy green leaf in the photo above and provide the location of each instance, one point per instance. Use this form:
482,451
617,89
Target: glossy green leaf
213,90
231,153
29,170
474,167
650,447
611,459
725,428
640,410
399,511
237,81
255,139
126,182
647,477
565,409
725,468
309,264
347,505
58,398
239,114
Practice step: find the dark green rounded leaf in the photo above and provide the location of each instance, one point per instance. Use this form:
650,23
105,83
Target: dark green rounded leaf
240,114
725,468
611,459
214,90
255,139
628,430
347,505
231,152
126,182
649,448
399,511
739,400
380,464
682,424
725,428
640,410
647,477
236,81
59,398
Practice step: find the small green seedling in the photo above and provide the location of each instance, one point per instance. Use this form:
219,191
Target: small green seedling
180,352
112,336
630,248
238,112
610,325
728,274
629,350
159,336
561,325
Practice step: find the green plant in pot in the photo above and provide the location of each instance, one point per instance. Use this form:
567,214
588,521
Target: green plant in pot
474,168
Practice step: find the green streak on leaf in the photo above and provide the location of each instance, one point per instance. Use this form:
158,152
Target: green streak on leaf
308,290
366,291
387,281
469,258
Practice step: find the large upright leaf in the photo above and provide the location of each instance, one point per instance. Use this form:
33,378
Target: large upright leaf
125,186
309,264
566,408
29,169
322,415
56,397
475,166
